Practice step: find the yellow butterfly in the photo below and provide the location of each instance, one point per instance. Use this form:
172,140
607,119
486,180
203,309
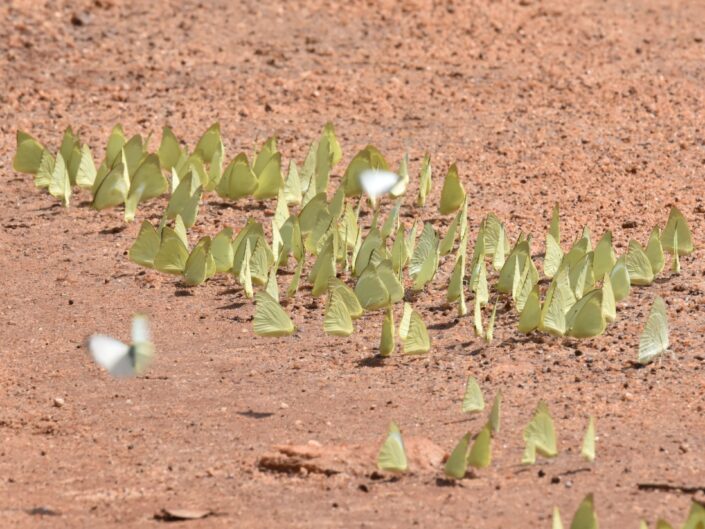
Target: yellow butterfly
540,436
324,268
494,241
654,251
424,181
457,465
244,276
28,154
581,275
619,278
261,261
480,455
222,250
585,517
456,230
200,264
553,257
337,320
59,183
609,303
147,182
552,318
424,261
185,201
416,340
676,237
348,296
270,319
113,149
269,178
588,448
210,143
603,258
145,248
238,179
472,400
638,265
292,186
111,189
452,193
586,319
170,151
386,342
392,456
371,290
328,154
519,257
173,252
455,284
530,317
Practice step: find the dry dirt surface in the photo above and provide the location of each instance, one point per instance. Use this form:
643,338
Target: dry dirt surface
596,105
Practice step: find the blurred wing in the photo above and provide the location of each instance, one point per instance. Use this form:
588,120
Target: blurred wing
375,182
140,329
110,353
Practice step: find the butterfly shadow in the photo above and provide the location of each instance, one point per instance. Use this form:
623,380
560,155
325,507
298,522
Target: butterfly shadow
232,306
55,208
448,482
251,414
113,230
371,361
474,352
442,326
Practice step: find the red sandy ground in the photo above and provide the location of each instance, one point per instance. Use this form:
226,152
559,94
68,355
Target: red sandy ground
596,105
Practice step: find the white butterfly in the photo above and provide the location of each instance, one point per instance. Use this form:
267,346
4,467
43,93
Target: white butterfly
376,182
122,360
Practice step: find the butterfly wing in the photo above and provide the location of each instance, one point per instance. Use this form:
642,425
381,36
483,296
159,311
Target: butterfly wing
654,338
376,182
270,319
392,456
140,329
473,400
111,354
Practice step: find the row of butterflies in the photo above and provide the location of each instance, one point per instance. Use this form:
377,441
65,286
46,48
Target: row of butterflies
573,305
539,435
129,174
539,438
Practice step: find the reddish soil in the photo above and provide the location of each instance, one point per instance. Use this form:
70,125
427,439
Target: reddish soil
596,105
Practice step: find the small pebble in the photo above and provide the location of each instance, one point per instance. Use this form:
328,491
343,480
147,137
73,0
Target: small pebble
284,406
58,402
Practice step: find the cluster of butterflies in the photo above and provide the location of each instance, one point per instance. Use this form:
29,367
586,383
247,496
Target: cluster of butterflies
585,283
539,438
585,517
130,174
581,299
